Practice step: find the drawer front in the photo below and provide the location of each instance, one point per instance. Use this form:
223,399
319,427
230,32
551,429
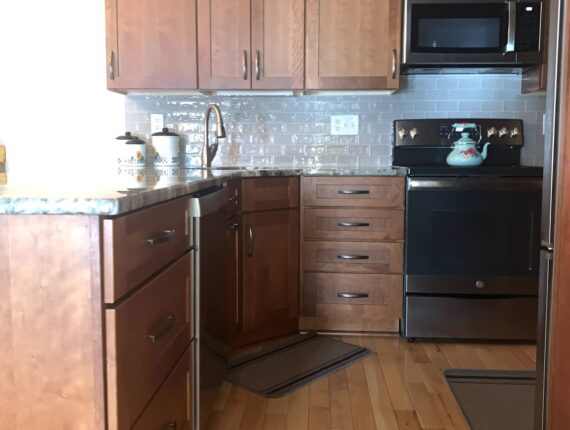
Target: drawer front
145,336
138,245
351,289
262,194
354,224
353,257
171,407
354,191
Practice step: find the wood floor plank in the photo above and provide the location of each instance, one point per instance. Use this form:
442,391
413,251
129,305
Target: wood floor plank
298,410
275,422
319,418
341,412
454,410
360,404
223,396
319,394
277,406
425,409
408,420
255,411
442,412
234,410
433,377
382,408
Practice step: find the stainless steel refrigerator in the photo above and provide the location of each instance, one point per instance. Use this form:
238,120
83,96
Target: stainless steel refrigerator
555,106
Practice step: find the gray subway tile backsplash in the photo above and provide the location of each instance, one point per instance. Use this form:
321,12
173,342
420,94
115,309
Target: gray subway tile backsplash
296,131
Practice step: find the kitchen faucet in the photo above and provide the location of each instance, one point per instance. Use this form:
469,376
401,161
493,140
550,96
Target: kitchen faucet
209,151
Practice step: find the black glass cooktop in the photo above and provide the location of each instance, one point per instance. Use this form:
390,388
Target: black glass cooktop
478,171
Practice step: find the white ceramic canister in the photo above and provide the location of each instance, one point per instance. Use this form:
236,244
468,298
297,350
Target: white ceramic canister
166,148
131,151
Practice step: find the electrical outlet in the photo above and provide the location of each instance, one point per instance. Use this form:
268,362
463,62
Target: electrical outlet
156,122
344,125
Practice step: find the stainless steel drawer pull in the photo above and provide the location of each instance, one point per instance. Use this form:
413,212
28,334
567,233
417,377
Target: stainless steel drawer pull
394,63
112,66
257,66
165,236
234,226
353,224
352,257
244,65
250,231
352,295
171,426
163,327
354,191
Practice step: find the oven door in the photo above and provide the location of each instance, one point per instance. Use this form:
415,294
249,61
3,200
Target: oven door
467,32
472,236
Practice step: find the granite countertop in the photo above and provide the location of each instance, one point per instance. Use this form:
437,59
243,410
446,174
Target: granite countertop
131,188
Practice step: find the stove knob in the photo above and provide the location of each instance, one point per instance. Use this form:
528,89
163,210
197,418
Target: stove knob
491,131
503,131
413,133
515,132
402,133
480,284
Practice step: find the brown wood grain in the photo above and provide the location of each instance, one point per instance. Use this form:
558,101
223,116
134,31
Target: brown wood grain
383,257
154,46
349,324
137,365
382,191
261,194
223,37
270,277
51,323
171,408
127,256
277,33
323,223
350,44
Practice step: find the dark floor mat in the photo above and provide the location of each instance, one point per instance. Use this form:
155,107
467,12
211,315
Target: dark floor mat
494,400
288,366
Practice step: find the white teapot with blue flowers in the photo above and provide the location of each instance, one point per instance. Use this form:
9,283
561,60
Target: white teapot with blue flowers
465,153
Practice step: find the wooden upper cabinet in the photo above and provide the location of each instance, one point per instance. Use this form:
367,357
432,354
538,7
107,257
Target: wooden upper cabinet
251,44
224,44
151,45
352,44
277,44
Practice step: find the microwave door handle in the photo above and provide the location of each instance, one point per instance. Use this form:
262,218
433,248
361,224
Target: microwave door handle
512,26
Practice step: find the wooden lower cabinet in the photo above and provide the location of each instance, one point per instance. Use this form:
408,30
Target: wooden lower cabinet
170,409
270,275
353,232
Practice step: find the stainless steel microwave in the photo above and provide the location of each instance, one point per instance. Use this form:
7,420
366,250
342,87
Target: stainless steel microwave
472,33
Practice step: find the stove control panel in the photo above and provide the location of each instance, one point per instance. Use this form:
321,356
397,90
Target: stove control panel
439,132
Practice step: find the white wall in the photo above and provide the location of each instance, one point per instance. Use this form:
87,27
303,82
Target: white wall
55,110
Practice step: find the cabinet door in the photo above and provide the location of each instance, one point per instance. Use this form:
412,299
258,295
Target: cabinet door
352,44
224,44
277,44
151,45
270,278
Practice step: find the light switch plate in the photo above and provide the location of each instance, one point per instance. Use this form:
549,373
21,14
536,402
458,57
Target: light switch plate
156,122
344,125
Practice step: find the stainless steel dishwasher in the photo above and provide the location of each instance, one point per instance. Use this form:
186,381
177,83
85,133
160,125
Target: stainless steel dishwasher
215,233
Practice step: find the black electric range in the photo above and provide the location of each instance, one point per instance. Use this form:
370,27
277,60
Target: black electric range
471,251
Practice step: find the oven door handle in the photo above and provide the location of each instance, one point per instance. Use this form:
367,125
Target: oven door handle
512,26
480,184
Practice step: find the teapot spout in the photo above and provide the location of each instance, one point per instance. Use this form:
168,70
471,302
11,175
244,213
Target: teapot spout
484,152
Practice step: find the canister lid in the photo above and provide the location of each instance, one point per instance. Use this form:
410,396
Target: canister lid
129,139
165,132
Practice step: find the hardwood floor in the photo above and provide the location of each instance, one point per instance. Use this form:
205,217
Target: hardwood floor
401,386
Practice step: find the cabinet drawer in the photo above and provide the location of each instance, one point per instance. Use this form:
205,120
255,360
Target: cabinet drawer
171,408
354,191
137,245
355,257
351,289
145,336
262,194
354,224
